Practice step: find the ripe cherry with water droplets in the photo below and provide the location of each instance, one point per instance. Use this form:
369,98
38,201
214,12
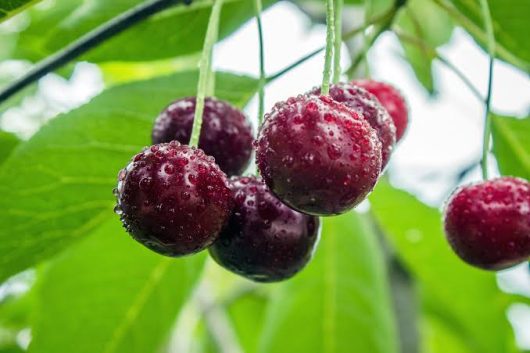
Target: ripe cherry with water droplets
392,100
317,155
368,106
488,223
173,199
264,240
226,133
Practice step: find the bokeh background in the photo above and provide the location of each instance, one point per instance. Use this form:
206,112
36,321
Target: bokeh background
441,149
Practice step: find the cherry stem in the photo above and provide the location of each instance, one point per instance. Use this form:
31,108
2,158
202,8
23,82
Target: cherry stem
262,76
365,37
337,40
205,70
330,33
88,41
486,15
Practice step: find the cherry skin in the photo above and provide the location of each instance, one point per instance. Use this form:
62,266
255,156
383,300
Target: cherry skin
365,103
173,199
317,155
264,240
226,133
488,224
392,100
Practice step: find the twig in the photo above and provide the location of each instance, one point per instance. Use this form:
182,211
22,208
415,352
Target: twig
88,41
486,15
262,76
315,52
330,35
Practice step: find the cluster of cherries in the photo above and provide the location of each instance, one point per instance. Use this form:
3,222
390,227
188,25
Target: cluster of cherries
318,155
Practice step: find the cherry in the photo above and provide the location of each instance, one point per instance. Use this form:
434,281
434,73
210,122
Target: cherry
226,133
173,199
317,155
264,240
367,104
488,223
391,99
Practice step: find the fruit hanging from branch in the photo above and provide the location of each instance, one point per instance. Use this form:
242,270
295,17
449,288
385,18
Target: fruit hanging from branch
173,199
488,223
317,155
226,133
264,240
368,106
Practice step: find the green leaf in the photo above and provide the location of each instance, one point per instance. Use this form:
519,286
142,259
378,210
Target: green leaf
511,145
11,349
510,22
122,72
247,314
438,337
9,8
174,32
109,294
465,298
319,3
244,316
8,142
340,302
434,32
57,186
15,312
376,8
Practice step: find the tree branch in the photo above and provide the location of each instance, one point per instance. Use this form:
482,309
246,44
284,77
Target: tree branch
88,41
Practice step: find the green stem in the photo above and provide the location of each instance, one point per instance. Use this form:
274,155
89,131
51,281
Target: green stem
360,57
338,40
486,15
262,76
205,70
387,23
330,33
367,4
292,66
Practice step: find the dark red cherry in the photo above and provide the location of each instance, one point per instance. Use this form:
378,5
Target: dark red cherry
173,199
264,240
317,155
226,133
488,223
391,99
366,104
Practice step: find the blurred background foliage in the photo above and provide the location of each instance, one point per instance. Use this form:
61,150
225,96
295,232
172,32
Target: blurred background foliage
383,279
